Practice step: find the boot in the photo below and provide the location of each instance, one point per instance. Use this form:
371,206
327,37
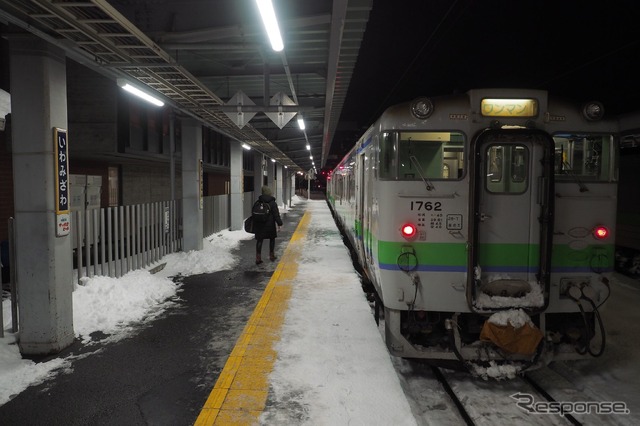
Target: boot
258,259
272,256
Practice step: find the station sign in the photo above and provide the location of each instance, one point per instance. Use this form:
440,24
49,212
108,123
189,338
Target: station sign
61,179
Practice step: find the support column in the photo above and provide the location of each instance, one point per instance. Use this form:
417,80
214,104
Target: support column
285,187
192,213
237,184
44,264
271,177
258,173
279,193
292,188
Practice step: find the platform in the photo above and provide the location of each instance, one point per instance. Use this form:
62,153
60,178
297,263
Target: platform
237,350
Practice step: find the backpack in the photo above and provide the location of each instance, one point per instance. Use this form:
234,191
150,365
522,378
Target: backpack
248,225
260,211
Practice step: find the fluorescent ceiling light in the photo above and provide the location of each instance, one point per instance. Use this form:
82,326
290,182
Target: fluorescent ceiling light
271,24
139,93
245,146
273,160
301,123
308,147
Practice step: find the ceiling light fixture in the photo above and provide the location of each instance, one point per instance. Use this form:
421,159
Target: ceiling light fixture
271,24
245,146
139,93
301,122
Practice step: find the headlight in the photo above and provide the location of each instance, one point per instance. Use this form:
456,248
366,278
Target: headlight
422,108
593,111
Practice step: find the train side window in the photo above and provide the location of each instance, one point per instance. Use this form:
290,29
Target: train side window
388,149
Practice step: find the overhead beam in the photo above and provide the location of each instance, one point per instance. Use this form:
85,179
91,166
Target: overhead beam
221,33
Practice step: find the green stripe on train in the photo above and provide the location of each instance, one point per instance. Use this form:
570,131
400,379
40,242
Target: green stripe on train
596,256
455,254
450,254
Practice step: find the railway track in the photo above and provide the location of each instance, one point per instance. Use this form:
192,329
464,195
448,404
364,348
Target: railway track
500,402
448,397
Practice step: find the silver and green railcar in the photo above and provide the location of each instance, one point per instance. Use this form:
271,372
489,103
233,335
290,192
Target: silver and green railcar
485,223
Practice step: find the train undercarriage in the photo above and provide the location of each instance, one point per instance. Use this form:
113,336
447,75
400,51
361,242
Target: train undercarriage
457,338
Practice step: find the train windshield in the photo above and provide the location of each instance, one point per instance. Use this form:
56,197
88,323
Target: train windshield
586,157
417,155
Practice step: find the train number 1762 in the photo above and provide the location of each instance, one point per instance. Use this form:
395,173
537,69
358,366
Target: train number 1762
426,205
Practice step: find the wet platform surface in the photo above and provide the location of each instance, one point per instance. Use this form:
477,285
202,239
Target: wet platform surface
164,373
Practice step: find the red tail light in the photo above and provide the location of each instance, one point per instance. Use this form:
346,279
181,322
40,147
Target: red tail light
600,232
408,230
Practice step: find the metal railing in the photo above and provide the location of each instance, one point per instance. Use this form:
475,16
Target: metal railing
216,214
112,241
115,240
12,282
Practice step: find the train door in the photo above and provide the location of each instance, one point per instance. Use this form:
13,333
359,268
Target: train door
364,216
512,207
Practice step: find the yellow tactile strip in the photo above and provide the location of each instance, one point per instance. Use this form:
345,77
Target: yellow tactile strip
240,394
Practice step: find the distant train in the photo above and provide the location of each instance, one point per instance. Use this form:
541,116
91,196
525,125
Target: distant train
485,222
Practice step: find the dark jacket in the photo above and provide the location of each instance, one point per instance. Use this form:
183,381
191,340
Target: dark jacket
267,230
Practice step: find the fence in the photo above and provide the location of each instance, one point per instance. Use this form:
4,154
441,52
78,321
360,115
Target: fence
115,240
112,241
216,214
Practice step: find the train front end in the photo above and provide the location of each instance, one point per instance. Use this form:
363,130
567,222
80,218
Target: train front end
488,228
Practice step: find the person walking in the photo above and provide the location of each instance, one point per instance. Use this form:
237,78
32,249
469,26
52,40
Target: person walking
267,228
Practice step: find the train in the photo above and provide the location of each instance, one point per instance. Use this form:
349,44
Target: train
485,222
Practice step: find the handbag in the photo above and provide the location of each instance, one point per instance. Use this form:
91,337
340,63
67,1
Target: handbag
248,225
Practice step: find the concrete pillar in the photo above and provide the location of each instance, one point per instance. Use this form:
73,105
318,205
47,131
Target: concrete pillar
192,207
44,268
285,187
237,179
271,176
279,187
258,172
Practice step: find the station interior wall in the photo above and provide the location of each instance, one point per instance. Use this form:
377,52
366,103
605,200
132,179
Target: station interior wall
117,137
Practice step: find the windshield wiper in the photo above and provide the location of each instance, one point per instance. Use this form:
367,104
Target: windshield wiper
426,181
567,169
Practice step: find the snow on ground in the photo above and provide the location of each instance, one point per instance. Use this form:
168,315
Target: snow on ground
333,367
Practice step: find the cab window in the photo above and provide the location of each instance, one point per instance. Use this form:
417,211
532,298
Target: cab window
417,155
587,157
